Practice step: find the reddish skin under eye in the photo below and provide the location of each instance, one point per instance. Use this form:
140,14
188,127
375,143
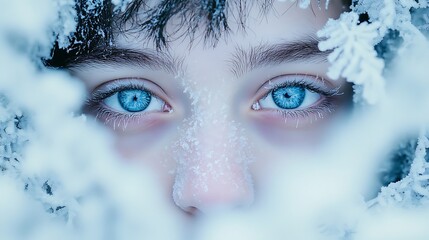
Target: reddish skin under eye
136,123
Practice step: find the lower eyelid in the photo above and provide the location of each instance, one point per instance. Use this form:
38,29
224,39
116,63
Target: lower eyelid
294,118
124,123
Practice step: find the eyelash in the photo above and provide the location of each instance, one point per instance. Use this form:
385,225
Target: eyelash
99,96
325,106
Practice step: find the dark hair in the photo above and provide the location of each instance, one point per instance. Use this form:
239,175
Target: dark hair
98,20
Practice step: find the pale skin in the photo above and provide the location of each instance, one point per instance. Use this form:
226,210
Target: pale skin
213,132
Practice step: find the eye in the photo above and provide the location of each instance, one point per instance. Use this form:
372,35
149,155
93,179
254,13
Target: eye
128,103
299,97
134,101
290,97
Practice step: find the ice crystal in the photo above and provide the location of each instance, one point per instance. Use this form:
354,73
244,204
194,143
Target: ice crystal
353,56
352,41
12,136
420,18
413,189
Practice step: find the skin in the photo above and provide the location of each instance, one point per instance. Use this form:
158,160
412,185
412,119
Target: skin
212,150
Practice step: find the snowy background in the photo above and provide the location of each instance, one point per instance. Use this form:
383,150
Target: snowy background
59,178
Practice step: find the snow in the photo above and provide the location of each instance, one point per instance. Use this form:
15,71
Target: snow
60,179
353,55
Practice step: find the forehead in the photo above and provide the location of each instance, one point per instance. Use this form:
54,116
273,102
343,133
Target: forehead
244,21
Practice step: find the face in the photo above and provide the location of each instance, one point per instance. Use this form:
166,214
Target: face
211,122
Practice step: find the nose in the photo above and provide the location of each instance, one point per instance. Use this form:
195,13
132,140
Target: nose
212,170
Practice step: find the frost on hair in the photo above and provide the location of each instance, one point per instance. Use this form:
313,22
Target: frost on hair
191,14
99,19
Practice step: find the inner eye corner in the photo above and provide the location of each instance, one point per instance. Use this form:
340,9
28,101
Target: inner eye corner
256,106
167,108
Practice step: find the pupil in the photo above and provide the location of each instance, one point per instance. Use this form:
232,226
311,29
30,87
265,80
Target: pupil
134,100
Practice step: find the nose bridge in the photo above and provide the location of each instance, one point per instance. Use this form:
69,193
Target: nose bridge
212,161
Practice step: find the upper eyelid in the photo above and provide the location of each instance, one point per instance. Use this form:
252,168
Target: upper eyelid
119,84
326,92
100,95
130,80
316,79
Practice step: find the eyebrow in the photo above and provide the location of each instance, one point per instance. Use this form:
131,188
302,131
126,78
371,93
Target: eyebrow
301,50
243,59
122,56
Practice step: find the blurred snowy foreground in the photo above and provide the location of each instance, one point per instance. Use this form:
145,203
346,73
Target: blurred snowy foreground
59,178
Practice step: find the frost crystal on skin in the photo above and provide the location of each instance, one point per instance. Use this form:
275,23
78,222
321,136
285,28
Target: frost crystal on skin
211,152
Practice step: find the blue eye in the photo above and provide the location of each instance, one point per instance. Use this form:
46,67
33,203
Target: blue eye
134,100
288,97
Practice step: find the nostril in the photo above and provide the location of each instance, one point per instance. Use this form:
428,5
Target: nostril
192,211
196,196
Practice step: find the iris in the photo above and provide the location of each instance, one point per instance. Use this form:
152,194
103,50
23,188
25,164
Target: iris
289,97
134,100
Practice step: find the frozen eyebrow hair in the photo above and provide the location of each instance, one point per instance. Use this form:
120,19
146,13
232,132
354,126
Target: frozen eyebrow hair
98,21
